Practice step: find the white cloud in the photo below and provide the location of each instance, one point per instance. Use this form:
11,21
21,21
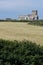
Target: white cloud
18,7
20,4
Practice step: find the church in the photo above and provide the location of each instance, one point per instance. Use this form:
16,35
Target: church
32,16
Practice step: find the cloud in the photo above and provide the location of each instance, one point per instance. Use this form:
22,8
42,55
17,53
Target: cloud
19,4
17,7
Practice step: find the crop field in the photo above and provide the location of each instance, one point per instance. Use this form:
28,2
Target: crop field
21,31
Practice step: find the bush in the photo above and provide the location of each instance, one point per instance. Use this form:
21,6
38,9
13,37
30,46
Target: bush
20,53
37,22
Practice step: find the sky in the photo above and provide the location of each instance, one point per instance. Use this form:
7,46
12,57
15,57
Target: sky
14,8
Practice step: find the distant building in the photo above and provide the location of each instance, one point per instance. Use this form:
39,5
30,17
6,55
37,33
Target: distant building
8,19
33,16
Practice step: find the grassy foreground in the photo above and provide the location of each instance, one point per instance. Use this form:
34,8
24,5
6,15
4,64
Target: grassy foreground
20,53
21,31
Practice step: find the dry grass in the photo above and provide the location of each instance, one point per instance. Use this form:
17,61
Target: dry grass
21,31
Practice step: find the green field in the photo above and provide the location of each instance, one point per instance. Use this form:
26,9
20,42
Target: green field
21,31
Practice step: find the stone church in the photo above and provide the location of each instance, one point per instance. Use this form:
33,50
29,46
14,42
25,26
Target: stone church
32,16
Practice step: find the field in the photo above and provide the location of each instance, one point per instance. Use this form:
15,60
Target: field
21,31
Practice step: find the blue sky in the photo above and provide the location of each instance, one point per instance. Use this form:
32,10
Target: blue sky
14,8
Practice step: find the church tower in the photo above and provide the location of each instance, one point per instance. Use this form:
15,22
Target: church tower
35,14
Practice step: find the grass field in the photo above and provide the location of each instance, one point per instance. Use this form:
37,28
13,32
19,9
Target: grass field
21,31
